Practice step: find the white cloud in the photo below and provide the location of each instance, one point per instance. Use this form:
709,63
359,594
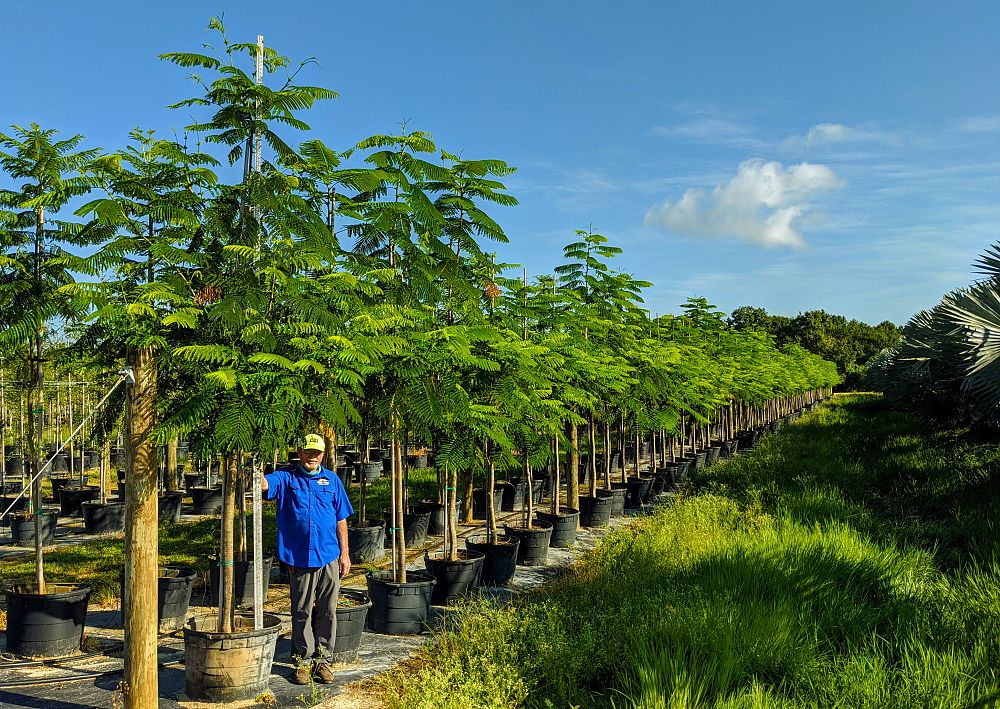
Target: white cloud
980,124
763,203
833,133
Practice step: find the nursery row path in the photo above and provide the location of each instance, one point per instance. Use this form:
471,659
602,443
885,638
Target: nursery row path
91,680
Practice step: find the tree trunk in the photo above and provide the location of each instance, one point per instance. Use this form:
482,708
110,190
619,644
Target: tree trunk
592,458
227,608
171,481
141,535
450,512
491,481
573,476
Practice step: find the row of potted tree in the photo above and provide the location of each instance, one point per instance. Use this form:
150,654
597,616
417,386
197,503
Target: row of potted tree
342,290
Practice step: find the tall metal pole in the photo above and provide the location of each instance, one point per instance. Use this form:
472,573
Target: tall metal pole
258,534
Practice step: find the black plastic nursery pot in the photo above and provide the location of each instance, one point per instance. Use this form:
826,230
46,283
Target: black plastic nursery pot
618,493
699,460
534,547
595,511
435,525
712,454
366,541
22,529
564,526
513,496
206,500
454,579
173,595
103,518
72,497
352,613
479,508
228,667
194,480
169,506
46,625
500,558
633,493
729,448
17,506
417,462
646,491
58,482
415,525
399,608
242,579
372,471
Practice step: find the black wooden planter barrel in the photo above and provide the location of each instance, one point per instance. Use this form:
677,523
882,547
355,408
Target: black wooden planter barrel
173,595
22,529
49,625
207,500
228,667
454,579
399,608
500,562
563,524
350,625
415,525
242,579
103,518
366,541
534,547
169,506
595,511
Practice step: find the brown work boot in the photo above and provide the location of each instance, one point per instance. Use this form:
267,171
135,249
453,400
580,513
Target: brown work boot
303,673
324,673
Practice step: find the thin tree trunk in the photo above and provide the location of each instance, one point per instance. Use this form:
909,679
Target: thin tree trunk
491,513
141,535
397,482
573,476
226,576
452,504
172,465
592,454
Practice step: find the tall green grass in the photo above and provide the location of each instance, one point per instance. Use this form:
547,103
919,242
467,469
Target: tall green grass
845,563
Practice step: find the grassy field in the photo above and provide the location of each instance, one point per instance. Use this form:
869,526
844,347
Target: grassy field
849,561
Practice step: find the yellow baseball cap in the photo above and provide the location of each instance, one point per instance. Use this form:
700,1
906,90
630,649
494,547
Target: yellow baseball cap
312,442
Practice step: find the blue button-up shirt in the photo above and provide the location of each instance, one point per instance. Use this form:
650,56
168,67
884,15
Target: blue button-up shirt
309,507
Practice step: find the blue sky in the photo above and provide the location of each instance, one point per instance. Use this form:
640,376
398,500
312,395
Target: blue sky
789,155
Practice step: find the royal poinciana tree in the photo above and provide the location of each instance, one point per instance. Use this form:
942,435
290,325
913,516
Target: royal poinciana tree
33,268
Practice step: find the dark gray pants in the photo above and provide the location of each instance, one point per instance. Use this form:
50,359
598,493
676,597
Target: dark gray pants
314,610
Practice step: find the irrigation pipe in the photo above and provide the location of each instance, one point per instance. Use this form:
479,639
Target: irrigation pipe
126,375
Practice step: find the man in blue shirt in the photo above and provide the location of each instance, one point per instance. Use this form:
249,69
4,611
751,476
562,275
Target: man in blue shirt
313,508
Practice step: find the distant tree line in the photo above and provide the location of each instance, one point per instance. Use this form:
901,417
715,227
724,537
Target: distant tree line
851,344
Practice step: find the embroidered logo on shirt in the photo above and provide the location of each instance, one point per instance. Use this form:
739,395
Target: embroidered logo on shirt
323,481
